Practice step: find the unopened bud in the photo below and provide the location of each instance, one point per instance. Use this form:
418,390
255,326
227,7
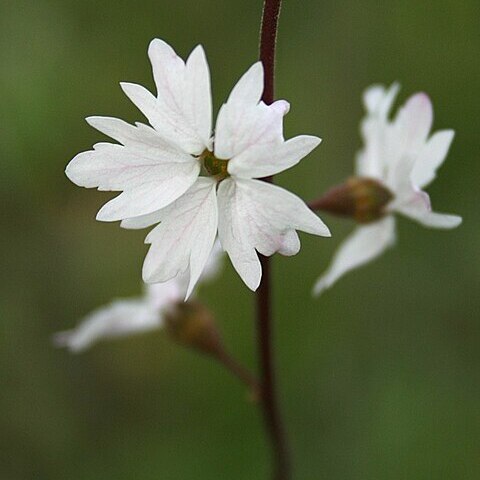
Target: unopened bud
363,199
192,325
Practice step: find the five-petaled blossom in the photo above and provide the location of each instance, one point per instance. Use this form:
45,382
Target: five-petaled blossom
129,316
402,156
158,169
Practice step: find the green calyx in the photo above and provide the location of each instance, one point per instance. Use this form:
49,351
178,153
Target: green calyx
214,166
363,199
370,199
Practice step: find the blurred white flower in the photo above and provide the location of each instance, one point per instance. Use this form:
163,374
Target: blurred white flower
158,169
130,316
403,157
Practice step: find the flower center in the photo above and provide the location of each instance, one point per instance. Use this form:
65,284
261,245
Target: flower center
214,166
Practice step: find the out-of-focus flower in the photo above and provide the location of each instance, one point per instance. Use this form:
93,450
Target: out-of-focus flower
398,160
130,316
158,170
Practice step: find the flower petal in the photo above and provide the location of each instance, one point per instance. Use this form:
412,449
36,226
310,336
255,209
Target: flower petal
378,100
264,160
154,194
235,238
249,88
291,244
162,296
414,121
142,221
415,204
431,157
144,140
399,179
421,212
255,215
240,127
182,111
151,173
244,122
120,318
372,160
200,93
139,135
364,245
185,236
210,271
214,263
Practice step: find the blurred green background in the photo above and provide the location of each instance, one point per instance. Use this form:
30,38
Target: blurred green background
379,378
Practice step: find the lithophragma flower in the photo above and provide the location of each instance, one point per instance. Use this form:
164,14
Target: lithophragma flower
131,316
402,156
195,183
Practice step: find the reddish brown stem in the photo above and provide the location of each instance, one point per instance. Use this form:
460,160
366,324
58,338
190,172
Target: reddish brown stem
269,401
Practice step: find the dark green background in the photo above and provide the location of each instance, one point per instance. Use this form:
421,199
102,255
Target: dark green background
379,378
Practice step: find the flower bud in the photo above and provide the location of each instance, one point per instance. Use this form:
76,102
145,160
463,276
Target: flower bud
361,198
191,324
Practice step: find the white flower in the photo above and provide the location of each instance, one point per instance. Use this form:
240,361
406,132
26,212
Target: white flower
120,318
158,169
130,316
402,156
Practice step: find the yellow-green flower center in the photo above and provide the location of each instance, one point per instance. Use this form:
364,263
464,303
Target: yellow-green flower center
214,166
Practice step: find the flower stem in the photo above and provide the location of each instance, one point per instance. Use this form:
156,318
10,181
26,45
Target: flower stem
269,401
268,40
268,397
239,371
